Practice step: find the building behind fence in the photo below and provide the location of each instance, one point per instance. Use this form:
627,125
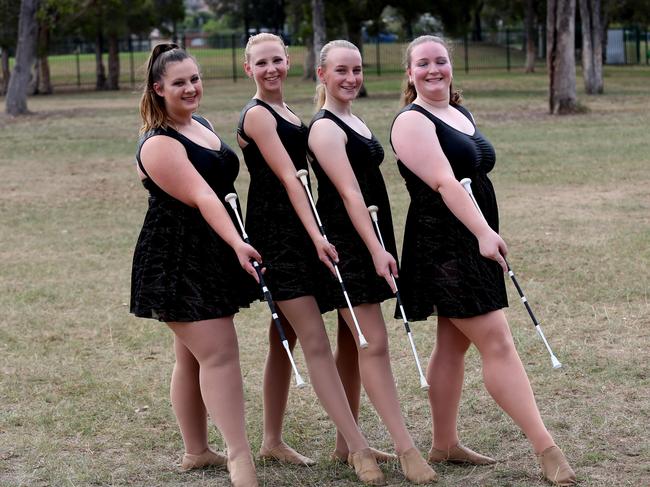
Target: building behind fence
72,63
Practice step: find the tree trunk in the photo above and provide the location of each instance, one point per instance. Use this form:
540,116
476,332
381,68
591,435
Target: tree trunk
4,66
592,55
44,81
309,71
113,62
100,71
477,30
531,36
35,78
560,56
16,102
319,27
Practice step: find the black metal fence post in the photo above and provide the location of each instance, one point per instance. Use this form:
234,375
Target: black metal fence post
378,56
637,32
466,49
131,62
647,52
77,53
508,49
234,59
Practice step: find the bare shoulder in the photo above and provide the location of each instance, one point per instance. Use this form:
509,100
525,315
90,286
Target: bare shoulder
161,145
259,120
326,128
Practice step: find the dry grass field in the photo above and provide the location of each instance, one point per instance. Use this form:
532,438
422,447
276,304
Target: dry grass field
84,385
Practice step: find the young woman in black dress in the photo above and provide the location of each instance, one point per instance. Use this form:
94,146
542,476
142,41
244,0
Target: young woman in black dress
187,266
452,259
280,223
346,158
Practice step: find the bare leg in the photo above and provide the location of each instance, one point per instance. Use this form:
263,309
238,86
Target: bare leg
504,374
376,374
187,402
305,316
445,375
277,380
213,343
347,364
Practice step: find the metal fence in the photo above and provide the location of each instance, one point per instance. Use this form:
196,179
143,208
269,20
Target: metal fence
73,63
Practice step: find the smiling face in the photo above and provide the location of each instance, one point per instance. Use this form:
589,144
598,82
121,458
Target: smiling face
430,71
180,86
342,74
268,65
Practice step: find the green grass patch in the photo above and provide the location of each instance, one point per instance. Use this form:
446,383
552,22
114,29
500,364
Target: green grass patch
78,370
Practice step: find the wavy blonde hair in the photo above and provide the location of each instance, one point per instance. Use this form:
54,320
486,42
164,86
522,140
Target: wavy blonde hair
319,97
152,105
408,89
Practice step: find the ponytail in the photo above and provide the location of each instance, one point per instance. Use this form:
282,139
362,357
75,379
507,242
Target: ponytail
319,97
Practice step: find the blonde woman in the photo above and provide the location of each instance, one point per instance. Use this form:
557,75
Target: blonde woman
187,265
280,223
453,259
345,157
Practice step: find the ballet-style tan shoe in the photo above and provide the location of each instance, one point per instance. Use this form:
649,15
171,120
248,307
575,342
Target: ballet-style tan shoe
284,453
208,458
380,456
366,468
415,468
242,471
555,467
459,454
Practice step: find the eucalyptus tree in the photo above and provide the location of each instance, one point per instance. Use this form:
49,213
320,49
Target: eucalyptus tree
560,56
9,13
16,100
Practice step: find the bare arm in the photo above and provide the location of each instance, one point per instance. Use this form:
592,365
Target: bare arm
261,126
165,160
327,142
427,161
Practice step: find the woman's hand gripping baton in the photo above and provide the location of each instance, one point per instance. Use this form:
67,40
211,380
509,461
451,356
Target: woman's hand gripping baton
231,198
467,184
423,381
302,175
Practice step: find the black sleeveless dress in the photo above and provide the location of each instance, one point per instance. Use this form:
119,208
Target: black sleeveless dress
290,258
442,269
355,262
182,270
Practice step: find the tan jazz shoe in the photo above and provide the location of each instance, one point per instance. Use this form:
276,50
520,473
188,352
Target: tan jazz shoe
242,471
555,467
208,458
284,453
459,454
366,468
415,468
380,456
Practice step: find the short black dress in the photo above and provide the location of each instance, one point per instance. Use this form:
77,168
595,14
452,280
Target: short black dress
182,270
442,269
355,262
274,229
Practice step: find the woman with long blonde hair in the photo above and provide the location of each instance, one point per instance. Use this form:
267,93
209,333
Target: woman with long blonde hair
280,223
345,157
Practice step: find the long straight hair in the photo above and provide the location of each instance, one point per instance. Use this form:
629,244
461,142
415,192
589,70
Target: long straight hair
319,98
408,89
152,105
